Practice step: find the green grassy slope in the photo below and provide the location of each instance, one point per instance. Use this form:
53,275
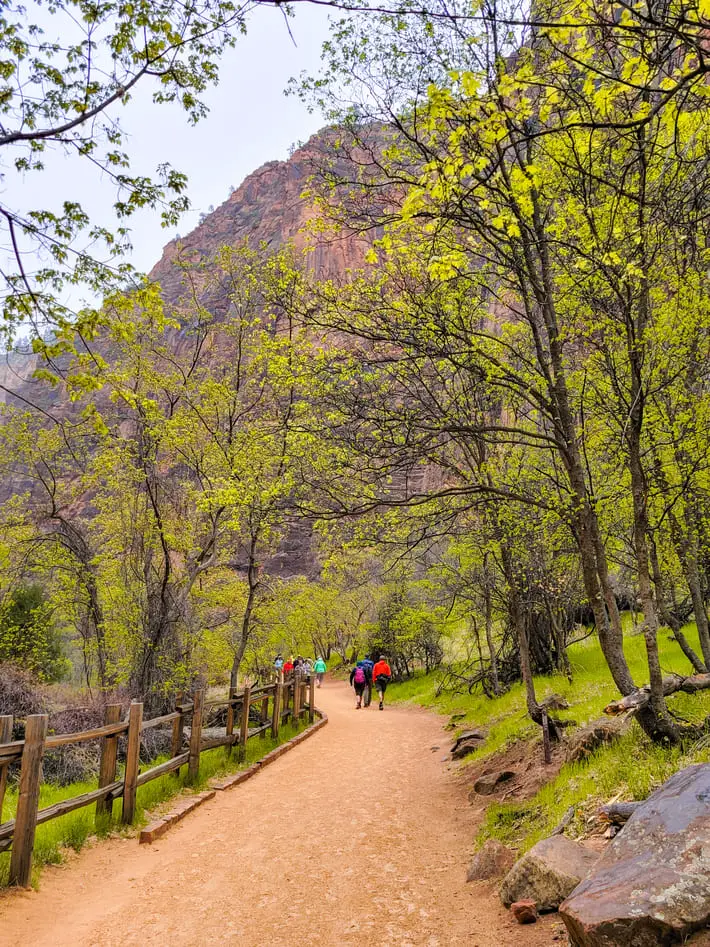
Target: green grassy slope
632,767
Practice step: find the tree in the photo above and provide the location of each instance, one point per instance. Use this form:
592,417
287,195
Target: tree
479,324
29,636
68,69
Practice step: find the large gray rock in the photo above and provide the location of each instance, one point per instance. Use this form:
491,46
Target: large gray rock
489,782
652,885
549,872
491,861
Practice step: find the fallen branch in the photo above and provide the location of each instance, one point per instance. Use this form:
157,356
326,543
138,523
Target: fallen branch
671,685
617,813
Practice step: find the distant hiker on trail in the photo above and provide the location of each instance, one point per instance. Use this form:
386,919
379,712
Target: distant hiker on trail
368,664
306,669
320,667
382,675
288,667
358,680
278,662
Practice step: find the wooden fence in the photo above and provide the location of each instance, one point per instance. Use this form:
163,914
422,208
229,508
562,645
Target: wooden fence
290,698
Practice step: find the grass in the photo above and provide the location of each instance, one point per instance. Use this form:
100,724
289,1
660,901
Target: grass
72,831
632,767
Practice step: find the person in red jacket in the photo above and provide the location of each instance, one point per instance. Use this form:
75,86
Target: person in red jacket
288,667
381,675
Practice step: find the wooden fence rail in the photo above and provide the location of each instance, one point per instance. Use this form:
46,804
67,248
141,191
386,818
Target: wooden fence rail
288,698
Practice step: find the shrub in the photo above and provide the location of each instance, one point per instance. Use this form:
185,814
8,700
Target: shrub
20,694
28,635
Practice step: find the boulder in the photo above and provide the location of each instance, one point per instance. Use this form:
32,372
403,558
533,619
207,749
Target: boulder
652,884
489,782
554,702
466,743
548,873
524,912
587,739
492,861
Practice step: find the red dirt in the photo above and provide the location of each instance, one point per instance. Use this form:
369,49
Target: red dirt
360,836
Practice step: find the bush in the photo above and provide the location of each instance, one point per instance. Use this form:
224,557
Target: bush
28,635
20,694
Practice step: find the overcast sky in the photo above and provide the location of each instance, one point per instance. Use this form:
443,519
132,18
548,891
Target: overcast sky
250,122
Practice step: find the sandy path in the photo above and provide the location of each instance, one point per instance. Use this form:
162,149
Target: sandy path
359,836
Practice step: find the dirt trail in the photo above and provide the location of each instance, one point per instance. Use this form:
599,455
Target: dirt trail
361,836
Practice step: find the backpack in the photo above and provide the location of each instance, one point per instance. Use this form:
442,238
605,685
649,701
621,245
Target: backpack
359,675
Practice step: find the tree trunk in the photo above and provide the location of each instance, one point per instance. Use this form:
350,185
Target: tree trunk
253,586
495,679
687,549
667,615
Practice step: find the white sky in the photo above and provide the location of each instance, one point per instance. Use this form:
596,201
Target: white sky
250,122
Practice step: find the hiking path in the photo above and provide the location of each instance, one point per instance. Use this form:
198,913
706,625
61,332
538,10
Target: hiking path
359,836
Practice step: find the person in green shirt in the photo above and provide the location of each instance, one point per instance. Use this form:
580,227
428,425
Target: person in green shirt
319,668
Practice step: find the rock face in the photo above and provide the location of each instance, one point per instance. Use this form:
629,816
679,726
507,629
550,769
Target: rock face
652,885
466,743
548,873
492,861
489,782
597,733
268,206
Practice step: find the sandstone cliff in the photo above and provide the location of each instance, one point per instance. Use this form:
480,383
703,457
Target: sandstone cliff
268,207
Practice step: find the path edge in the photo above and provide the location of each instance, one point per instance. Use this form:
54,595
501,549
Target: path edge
159,827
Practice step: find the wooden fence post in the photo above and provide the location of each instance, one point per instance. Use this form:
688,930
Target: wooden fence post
276,709
244,728
296,696
107,766
28,800
178,731
133,751
230,719
312,699
5,737
264,714
193,765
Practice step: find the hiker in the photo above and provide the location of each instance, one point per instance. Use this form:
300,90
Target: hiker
382,675
307,669
288,667
358,680
320,667
368,664
278,662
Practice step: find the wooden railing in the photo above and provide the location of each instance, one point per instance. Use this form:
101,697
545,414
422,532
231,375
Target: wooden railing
277,701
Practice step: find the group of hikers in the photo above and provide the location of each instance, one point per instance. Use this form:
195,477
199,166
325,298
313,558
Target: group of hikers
303,666
365,674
